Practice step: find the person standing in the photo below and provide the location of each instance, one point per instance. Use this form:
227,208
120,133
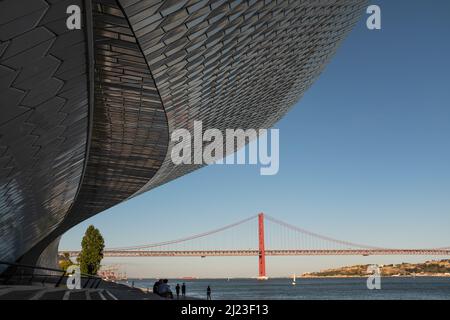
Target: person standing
208,293
183,289
177,289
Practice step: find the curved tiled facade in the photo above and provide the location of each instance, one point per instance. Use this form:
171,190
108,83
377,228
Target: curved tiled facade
86,114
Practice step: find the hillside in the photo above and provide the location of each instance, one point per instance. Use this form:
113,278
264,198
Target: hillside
428,268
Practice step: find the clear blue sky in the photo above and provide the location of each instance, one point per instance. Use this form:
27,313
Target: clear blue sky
364,157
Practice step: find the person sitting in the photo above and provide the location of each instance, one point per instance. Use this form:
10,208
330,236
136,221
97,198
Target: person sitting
156,286
164,290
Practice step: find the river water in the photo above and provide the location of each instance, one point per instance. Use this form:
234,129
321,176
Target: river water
320,288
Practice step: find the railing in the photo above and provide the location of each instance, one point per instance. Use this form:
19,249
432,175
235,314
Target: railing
22,274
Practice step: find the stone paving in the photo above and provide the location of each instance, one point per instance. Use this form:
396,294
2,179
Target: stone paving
107,291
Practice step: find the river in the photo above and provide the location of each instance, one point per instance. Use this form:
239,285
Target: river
307,288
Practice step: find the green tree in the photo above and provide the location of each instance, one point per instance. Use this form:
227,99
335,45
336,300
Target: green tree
91,251
65,261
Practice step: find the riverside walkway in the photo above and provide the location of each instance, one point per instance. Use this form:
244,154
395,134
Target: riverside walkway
106,291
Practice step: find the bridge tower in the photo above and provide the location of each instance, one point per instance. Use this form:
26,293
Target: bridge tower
262,250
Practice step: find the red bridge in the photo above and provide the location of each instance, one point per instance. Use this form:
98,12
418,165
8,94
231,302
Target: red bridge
311,244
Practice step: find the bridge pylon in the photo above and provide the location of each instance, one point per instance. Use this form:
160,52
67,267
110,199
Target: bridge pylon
262,250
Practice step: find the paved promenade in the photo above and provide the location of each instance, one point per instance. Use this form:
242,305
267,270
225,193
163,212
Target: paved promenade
106,291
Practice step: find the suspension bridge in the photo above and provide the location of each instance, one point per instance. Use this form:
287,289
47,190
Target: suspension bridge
243,240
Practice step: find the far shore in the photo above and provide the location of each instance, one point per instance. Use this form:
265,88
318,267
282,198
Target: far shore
437,275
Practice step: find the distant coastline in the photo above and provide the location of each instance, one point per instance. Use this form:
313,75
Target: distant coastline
424,275
432,268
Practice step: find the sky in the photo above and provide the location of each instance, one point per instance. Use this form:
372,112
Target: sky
364,157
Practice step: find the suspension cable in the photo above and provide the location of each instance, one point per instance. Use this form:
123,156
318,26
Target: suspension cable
316,235
151,245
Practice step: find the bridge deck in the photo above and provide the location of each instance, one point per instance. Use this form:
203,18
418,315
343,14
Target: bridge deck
204,253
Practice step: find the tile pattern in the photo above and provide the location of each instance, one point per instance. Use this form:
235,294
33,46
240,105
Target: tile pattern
235,64
43,123
129,136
